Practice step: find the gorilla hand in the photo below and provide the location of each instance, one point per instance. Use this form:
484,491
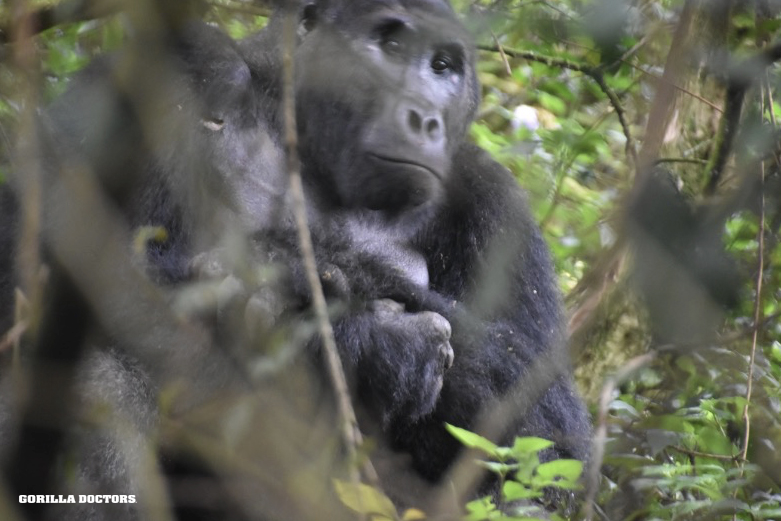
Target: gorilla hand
402,358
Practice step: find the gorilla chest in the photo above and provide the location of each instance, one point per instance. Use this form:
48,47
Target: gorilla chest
390,247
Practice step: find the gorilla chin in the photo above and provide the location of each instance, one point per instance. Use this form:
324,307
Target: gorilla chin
397,183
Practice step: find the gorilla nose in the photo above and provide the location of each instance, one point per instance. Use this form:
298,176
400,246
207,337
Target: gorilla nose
422,125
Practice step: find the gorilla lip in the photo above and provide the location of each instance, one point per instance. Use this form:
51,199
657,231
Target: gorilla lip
406,162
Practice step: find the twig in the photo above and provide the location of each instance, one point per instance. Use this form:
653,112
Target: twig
599,79
550,61
600,436
506,62
651,75
725,135
757,309
682,90
681,160
13,336
624,58
349,425
663,104
699,454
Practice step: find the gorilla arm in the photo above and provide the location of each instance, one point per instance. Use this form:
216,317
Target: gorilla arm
486,253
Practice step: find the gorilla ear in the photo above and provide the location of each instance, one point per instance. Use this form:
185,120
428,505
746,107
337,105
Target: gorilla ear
309,19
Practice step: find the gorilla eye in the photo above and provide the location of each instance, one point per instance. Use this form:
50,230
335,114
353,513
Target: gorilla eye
213,124
441,63
389,35
308,19
391,45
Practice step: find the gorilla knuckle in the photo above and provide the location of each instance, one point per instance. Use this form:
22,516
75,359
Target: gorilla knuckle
435,325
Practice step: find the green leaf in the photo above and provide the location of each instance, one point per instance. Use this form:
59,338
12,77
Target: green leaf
768,513
552,103
712,440
659,439
530,444
568,470
413,514
481,509
513,491
472,440
497,468
365,499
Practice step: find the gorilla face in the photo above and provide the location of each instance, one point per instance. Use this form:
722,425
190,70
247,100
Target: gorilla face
385,92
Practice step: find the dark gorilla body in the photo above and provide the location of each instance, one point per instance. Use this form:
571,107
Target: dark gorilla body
451,303
398,161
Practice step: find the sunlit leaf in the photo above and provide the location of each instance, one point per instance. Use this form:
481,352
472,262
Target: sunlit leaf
365,499
529,444
472,440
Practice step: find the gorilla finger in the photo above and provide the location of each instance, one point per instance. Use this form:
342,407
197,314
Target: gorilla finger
334,281
447,354
386,306
263,310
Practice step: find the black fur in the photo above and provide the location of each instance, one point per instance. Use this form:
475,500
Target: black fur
488,271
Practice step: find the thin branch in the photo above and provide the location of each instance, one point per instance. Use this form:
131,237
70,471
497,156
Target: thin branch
757,310
550,61
349,424
725,135
13,336
682,90
663,104
699,454
506,63
599,78
651,75
739,79
624,58
681,160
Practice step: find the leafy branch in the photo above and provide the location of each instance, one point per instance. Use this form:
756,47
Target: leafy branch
595,73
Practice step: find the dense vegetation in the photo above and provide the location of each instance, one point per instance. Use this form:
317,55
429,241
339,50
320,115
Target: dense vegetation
646,134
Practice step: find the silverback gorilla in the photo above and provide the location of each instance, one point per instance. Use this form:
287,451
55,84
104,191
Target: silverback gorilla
448,303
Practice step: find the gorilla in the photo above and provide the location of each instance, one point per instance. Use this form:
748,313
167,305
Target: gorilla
398,176
445,302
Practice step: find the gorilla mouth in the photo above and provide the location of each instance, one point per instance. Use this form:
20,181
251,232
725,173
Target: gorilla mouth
406,163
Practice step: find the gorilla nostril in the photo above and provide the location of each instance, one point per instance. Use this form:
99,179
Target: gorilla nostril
422,123
433,129
415,121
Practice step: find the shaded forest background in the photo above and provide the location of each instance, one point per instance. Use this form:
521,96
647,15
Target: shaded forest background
647,136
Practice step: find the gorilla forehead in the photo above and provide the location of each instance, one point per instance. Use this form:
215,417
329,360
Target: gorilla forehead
441,7
437,13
